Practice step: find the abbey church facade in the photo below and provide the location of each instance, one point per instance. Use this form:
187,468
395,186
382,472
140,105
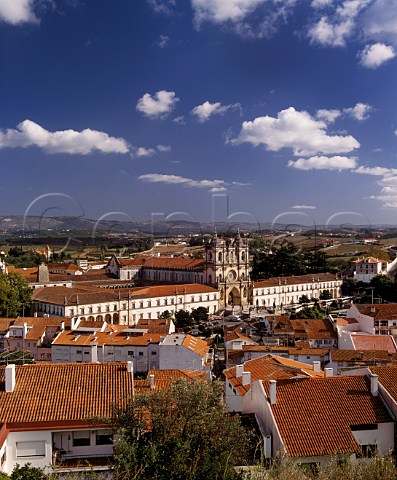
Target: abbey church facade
226,266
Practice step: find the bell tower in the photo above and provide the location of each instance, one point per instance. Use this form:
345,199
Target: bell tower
227,267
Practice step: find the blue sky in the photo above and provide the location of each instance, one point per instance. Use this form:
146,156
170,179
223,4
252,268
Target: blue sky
202,107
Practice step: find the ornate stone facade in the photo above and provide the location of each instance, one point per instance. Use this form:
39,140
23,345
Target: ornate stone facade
227,267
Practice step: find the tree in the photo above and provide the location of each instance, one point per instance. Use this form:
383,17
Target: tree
181,433
15,295
200,314
384,287
325,295
304,299
183,319
27,472
166,314
313,312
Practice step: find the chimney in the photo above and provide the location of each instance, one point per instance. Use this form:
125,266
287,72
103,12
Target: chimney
42,274
25,330
246,378
328,372
72,324
94,352
316,366
152,381
374,384
62,326
10,377
239,370
130,369
272,391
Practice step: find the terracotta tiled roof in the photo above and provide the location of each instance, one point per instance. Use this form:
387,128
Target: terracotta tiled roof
160,325
374,342
5,324
64,392
366,356
63,267
235,335
388,378
316,328
289,350
178,263
295,280
37,326
386,311
281,325
314,415
368,260
196,345
110,336
269,367
341,322
163,378
92,295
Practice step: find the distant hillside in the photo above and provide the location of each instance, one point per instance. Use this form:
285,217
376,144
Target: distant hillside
47,226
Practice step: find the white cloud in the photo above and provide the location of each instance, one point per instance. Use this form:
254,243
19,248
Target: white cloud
149,152
180,120
304,207
376,171
144,152
30,134
324,163
162,6
219,11
245,17
206,110
164,148
162,41
177,180
336,29
379,21
320,3
158,105
375,55
388,195
17,11
297,130
324,32
359,112
328,115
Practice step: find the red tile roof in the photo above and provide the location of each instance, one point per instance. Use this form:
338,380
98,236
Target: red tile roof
374,342
295,280
163,378
196,345
91,295
367,356
176,263
316,328
314,415
289,350
64,392
387,311
269,367
111,336
368,260
388,378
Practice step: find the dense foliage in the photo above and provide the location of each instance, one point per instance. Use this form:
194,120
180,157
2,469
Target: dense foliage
288,260
183,433
24,259
15,295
